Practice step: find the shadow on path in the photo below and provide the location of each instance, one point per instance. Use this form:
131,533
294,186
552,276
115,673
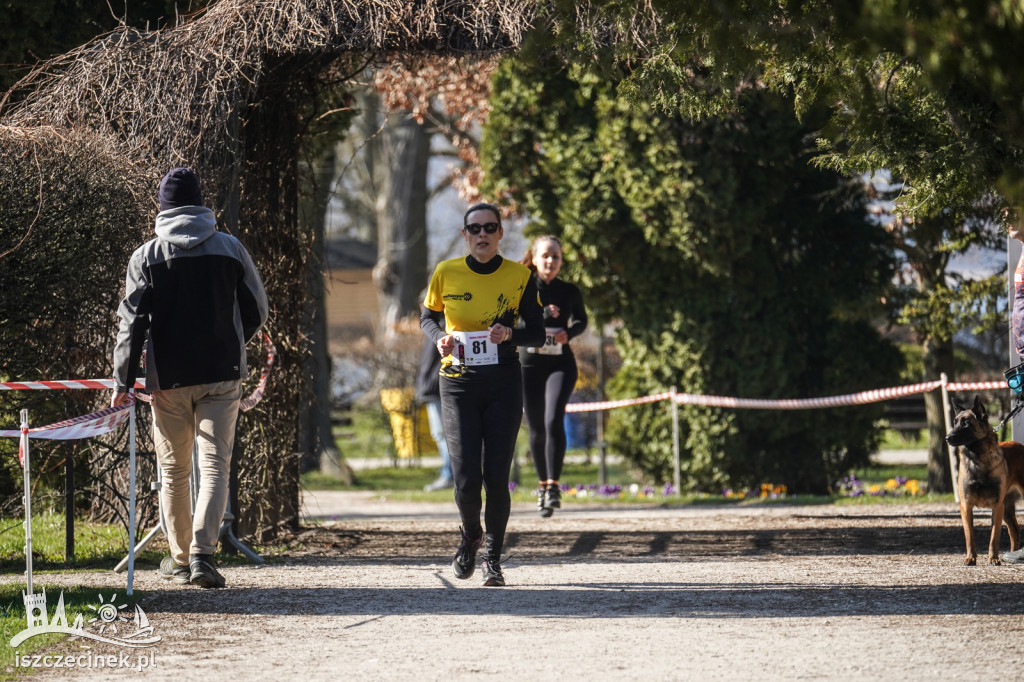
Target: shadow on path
331,544
605,600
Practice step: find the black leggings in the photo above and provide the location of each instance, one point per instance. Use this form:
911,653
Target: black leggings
482,413
546,391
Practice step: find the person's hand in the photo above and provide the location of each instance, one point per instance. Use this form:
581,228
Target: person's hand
445,345
499,333
119,399
562,336
554,310
1013,226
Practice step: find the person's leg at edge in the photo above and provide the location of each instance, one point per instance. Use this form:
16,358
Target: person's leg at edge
460,408
216,419
501,427
534,379
173,436
558,390
436,424
1017,331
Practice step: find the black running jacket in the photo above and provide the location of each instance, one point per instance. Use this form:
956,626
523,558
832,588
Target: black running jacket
197,293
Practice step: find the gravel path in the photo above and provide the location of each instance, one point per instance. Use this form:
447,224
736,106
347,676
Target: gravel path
702,593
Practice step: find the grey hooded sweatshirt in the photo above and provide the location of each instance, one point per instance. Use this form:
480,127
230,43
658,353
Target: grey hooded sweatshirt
197,293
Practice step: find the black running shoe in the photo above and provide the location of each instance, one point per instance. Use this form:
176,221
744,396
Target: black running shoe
203,571
172,570
493,577
464,563
553,497
542,503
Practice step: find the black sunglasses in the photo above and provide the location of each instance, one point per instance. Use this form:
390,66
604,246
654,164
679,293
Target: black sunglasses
489,228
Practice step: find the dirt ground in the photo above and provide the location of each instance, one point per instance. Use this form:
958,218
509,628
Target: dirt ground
708,593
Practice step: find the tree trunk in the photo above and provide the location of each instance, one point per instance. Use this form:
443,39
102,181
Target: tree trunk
269,226
401,270
317,447
938,359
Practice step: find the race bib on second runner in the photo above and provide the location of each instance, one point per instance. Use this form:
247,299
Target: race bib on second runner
550,347
474,349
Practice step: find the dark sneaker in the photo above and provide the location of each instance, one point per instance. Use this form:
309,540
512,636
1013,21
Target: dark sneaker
493,577
542,503
464,563
203,571
172,570
553,497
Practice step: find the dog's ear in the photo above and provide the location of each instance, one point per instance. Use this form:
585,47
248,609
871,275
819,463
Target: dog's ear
957,408
979,410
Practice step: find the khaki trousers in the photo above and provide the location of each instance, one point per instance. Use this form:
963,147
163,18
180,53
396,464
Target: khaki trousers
205,415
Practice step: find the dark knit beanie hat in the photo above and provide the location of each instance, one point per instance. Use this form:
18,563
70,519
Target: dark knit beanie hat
180,187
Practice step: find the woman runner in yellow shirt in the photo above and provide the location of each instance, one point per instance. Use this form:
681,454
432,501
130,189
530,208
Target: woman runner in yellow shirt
488,306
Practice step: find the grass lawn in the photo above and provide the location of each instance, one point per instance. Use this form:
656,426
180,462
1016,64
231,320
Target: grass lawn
369,436
893,440
97,545
406,483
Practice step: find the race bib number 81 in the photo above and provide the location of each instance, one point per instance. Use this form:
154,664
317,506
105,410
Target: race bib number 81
474,349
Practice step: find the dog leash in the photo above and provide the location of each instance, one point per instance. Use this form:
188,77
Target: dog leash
1015,410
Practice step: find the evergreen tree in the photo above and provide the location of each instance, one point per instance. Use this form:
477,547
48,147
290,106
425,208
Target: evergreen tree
734,266
926,91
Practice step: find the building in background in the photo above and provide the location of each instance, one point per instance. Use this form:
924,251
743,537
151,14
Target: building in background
352,307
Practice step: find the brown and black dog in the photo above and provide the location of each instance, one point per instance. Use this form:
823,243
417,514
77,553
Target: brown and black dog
991,475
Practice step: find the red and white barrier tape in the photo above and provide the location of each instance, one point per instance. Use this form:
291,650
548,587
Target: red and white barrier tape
62,383
612,404
257,395
23,440
107,419
976,385
86,426
862,398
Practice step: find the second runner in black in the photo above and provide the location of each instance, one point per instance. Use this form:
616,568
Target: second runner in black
549,371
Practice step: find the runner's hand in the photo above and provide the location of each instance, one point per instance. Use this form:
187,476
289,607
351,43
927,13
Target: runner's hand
445,345
499,333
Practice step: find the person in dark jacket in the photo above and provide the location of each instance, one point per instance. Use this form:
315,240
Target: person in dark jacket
428,393
549,371
193,299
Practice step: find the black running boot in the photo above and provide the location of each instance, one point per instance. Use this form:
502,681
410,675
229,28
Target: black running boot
464,563
553,496
491,564
542,503
203,571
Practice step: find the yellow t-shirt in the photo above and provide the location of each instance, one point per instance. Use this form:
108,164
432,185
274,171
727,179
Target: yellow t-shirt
473,302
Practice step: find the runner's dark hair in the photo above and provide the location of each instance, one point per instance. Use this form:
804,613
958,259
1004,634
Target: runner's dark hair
482,206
